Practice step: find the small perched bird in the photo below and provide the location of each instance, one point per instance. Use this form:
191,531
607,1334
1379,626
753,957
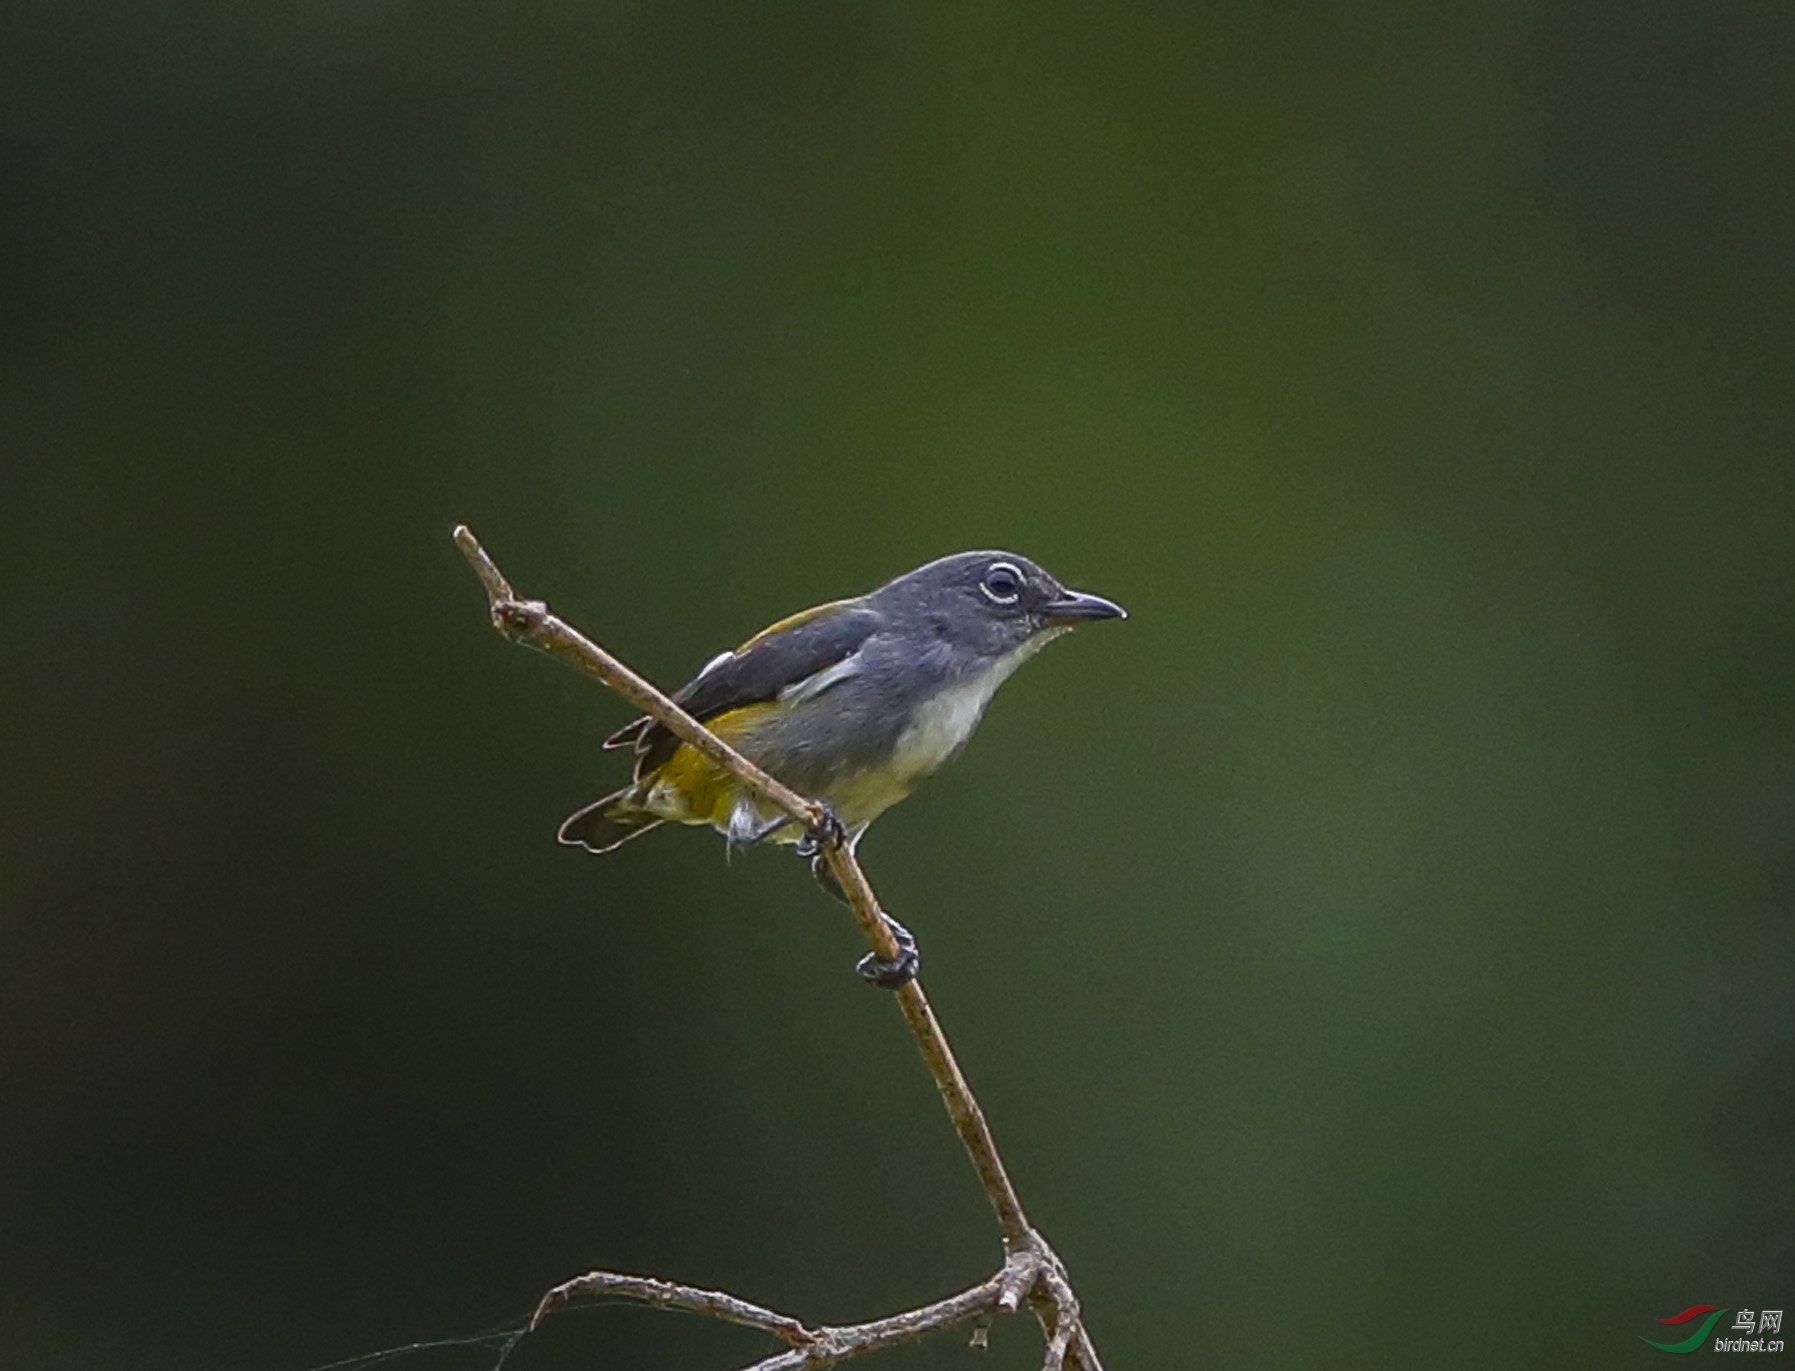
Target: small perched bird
851,703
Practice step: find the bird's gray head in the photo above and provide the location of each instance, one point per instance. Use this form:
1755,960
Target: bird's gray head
986,604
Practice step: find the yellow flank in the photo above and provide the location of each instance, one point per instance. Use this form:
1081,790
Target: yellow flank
792,621
689,787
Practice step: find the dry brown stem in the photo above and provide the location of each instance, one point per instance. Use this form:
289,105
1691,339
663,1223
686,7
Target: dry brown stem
1031,1270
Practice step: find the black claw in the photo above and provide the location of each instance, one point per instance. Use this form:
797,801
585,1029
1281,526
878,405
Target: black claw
830,831
889,975
814,847
899,970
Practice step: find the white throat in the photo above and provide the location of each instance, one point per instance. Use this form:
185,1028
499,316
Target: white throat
940,726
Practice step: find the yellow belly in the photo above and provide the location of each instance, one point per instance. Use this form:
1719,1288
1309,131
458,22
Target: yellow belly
691,789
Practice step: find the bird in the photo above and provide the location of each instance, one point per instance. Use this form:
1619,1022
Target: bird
851,703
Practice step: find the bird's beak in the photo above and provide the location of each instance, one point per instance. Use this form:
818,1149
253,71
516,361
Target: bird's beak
1075,607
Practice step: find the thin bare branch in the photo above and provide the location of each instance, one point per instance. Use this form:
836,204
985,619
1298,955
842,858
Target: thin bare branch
838,1343
807,1347
530,623
715,1304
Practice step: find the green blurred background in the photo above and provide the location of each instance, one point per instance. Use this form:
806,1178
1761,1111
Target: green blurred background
1375,953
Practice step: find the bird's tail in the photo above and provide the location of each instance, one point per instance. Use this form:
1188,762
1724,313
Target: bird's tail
608,823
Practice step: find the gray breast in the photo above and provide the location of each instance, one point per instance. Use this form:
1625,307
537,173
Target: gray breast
847,718
886,708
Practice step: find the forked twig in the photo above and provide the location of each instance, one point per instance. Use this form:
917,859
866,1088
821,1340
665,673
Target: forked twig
805,1346
1032,1270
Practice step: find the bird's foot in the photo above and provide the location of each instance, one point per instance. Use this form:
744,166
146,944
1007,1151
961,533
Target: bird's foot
898,970
829,831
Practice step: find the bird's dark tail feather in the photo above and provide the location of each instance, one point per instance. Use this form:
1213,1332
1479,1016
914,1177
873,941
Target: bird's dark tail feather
608,823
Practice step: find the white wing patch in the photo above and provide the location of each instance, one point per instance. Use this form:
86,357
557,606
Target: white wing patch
817,682
714,663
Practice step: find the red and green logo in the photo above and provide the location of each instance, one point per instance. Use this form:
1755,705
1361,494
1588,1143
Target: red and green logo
1695,1339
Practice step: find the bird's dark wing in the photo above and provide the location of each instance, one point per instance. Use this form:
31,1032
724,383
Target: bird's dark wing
790,651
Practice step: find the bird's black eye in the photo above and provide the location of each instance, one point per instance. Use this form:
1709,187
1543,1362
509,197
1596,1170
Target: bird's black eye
1002,583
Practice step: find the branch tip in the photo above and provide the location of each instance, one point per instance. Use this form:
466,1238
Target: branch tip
498,589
